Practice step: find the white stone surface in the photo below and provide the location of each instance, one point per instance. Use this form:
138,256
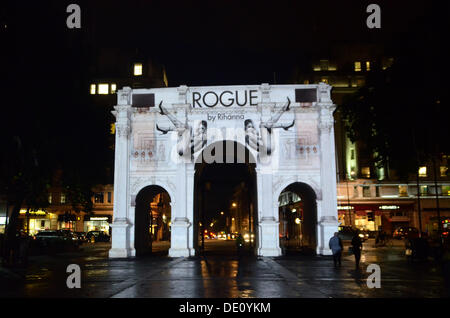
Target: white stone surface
145,156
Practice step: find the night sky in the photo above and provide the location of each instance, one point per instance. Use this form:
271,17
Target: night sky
206,42
46,67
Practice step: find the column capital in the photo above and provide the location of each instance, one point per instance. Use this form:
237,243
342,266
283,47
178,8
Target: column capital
324,93
182,92
124,96
265,90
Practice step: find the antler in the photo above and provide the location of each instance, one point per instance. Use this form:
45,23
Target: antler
164,130
274,119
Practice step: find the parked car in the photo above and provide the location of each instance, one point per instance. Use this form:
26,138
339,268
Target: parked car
54,239
405,232
97,236
81,236
70,235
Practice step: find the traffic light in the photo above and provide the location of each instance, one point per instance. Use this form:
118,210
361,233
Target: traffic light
370,216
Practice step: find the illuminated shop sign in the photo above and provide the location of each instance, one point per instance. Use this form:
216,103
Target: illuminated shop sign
99,218
340,207
388,207
39,212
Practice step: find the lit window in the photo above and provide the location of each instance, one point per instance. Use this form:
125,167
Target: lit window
50,198
357,66
103,89
113,128
367,66
93,89
98,197
422,171
137,69
63,198
113,88
402,191
443,170
324,80
365,171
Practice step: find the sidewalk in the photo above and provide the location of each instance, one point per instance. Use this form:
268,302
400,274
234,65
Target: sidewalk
225,276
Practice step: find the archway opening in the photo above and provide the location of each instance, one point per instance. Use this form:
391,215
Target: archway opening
152,221
225,200
297,210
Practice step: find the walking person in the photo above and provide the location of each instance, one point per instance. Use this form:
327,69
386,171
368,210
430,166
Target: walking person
336,247
357,247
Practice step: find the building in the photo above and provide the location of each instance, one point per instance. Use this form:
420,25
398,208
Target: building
60,214
277,137
370,197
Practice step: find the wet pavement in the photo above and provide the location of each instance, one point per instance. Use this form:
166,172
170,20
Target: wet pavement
221,273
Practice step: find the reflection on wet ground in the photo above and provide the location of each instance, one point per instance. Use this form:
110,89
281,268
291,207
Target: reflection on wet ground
224,275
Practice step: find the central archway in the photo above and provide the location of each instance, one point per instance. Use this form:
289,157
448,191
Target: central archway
225,199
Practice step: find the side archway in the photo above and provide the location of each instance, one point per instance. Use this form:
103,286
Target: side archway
152,220
297,211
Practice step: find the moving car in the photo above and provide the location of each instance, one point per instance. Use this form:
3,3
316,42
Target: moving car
97,236
405,231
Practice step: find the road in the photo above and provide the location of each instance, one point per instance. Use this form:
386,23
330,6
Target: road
221,273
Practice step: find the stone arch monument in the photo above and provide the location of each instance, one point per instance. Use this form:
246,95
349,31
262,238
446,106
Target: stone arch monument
160,133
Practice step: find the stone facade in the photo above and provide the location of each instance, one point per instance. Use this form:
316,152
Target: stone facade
290,139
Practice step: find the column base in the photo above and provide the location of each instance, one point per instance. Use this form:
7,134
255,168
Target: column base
183,252
179,243
269,241
327,227
120,240
121,253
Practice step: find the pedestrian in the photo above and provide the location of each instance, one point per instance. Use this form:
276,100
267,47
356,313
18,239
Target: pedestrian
336,247
356,247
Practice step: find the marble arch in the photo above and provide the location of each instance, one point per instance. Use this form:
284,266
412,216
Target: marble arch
288,129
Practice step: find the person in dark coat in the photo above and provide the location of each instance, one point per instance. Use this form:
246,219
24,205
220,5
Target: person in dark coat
336,247
357,247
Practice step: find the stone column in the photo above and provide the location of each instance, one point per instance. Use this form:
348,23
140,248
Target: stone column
328,222
268,225
120,245
180,243
268,240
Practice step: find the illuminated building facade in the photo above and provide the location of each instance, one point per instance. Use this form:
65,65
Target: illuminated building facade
284,134
370,197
